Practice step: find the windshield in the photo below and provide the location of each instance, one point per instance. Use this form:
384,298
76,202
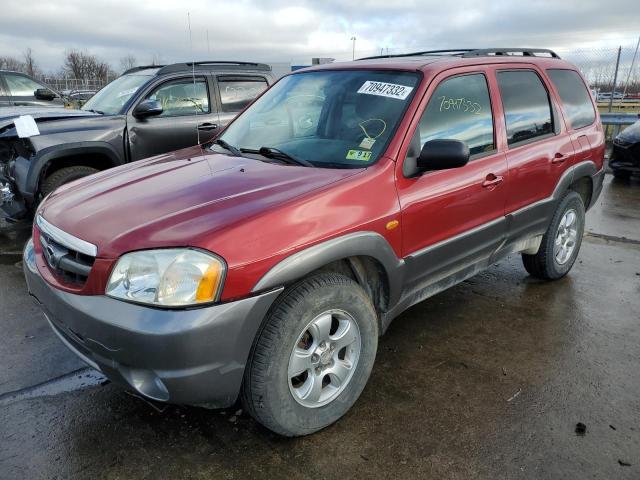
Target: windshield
335,119
115,95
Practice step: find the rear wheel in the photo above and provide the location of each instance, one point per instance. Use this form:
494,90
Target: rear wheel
313,356
561,242
64,175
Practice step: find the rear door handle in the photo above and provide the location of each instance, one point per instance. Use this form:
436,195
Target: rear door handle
492,180
559,158
206,127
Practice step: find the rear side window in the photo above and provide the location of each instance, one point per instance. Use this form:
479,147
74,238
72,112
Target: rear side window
237,93
526,106
574,96
460,109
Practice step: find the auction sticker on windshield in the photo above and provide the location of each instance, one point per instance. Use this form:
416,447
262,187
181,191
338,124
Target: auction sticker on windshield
358,155
383,89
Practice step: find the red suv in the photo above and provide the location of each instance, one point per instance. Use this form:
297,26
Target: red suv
264,265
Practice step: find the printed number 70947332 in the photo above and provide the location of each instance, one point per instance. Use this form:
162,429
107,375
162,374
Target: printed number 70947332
462,104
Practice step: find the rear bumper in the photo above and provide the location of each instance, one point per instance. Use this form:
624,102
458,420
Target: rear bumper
194,356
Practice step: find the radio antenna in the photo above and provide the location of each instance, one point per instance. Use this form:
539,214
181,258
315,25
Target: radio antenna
193,74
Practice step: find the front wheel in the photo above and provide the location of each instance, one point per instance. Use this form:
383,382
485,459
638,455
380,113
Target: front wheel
65,175
313,356
561,242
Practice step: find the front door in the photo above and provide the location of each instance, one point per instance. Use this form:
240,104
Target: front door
453,219
188,115
22,90
4,94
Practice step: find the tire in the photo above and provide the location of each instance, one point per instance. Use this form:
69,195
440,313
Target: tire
64,175
270,395
545,264
621,174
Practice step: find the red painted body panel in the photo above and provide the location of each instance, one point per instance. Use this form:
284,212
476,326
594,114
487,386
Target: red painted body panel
254,214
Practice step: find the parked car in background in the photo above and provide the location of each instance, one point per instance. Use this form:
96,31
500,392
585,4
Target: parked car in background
265,265
625,156
145,112
77,98
605,96
19,89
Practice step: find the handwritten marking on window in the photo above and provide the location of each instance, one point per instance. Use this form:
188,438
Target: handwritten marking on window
460,104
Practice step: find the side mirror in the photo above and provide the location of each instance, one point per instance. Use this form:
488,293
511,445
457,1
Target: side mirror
443,154
44,94
147,108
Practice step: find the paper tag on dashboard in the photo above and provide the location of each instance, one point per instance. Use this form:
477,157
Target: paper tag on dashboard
367,143
382,89
26,126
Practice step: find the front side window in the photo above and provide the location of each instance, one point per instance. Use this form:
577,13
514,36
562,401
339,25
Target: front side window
21,86
237,92
182,97
460,109
527,109
333,118
575,97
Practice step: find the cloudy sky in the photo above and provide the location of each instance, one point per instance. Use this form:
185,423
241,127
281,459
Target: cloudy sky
294,31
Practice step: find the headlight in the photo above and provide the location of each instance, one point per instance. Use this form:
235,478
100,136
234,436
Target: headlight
170,278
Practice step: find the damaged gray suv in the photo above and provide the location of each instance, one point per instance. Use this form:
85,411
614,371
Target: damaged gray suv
147,111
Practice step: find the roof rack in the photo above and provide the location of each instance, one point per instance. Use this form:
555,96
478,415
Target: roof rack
477,52
209,65
206,65
141,67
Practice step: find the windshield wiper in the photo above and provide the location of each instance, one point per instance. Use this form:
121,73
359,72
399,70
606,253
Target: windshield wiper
228,146
271,152
95,111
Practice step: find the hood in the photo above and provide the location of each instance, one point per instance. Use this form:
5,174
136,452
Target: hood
177,199
631,134
40,114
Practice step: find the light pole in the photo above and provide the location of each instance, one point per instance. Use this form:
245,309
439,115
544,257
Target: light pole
353,52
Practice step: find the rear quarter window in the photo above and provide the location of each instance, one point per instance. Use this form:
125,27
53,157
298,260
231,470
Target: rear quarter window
575,97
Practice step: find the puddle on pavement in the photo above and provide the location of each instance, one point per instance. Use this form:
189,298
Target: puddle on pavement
78,380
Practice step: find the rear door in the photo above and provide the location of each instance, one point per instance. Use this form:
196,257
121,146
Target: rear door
236,91
453,219
539,151
186,105
579,112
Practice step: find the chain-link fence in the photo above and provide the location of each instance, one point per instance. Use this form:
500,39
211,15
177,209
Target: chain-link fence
70,84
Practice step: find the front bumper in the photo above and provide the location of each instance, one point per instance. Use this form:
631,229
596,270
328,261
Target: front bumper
191,356
625,157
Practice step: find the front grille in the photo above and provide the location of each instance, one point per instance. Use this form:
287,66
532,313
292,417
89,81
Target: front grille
69,265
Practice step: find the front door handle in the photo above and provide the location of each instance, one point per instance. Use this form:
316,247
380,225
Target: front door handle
207,127
559,158
492,181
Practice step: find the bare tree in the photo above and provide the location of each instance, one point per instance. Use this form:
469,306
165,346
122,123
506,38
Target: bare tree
11,63
84,66
127,62
30,67
156,59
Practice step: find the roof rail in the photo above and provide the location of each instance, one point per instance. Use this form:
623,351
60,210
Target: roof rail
141,67
448,51
471,52
525,52
209,65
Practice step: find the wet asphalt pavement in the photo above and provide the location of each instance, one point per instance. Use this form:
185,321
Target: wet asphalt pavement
485,380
